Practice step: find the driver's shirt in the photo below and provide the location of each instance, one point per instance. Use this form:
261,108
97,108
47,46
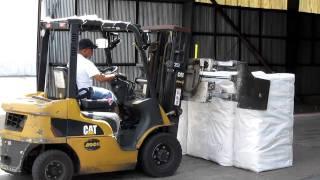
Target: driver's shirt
85,71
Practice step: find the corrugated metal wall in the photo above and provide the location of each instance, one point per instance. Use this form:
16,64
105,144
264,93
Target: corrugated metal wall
155,13
269,38
149,13
265,29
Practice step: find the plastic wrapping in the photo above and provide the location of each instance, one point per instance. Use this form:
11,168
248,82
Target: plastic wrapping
213,128
263,139
183,127
206,124
210,130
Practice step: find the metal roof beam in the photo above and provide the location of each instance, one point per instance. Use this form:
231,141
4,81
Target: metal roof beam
293,5
247,43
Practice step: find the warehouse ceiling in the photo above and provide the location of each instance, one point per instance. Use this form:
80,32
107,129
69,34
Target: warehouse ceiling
308,6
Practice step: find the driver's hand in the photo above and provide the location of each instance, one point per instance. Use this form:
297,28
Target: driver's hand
110,77
104,77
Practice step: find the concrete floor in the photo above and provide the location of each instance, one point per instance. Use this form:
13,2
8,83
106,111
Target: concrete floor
306,162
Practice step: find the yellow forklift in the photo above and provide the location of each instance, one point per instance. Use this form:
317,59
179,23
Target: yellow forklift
71,134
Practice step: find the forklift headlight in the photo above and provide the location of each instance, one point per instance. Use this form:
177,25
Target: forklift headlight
63,25
48,25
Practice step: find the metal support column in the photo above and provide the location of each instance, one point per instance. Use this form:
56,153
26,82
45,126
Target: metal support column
38,46
76,7
292,35
72,72
245,41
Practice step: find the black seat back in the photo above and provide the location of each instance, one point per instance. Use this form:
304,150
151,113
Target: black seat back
99,105
86,104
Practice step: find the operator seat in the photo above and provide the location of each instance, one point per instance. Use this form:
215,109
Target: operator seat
94,109
98,105
86,103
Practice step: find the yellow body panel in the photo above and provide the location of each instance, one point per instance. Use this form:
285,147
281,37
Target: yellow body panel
109,157
166,123
40,107
39,111
38,130
165,119
145,135
74,113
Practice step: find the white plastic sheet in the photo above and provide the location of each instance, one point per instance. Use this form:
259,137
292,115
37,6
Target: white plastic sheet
182,134
263,139
210,130
249,139
206,128
201,94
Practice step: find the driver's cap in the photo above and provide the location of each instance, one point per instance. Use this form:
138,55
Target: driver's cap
86,43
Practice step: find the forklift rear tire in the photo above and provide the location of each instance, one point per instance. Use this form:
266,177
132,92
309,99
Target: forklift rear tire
161,155
52,164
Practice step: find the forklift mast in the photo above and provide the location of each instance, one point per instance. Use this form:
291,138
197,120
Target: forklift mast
167,62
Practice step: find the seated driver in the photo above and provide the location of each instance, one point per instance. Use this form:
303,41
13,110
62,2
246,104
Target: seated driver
87,71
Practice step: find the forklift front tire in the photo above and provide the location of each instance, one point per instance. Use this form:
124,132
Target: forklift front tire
52,164
161,155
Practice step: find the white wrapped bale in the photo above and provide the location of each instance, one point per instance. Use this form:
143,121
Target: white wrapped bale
183,127
263,139
206,125
210,132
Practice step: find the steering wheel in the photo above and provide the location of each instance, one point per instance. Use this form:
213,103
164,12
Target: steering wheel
109,70
121,76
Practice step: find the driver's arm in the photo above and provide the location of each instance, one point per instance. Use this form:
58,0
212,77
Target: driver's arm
95,74
104,77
